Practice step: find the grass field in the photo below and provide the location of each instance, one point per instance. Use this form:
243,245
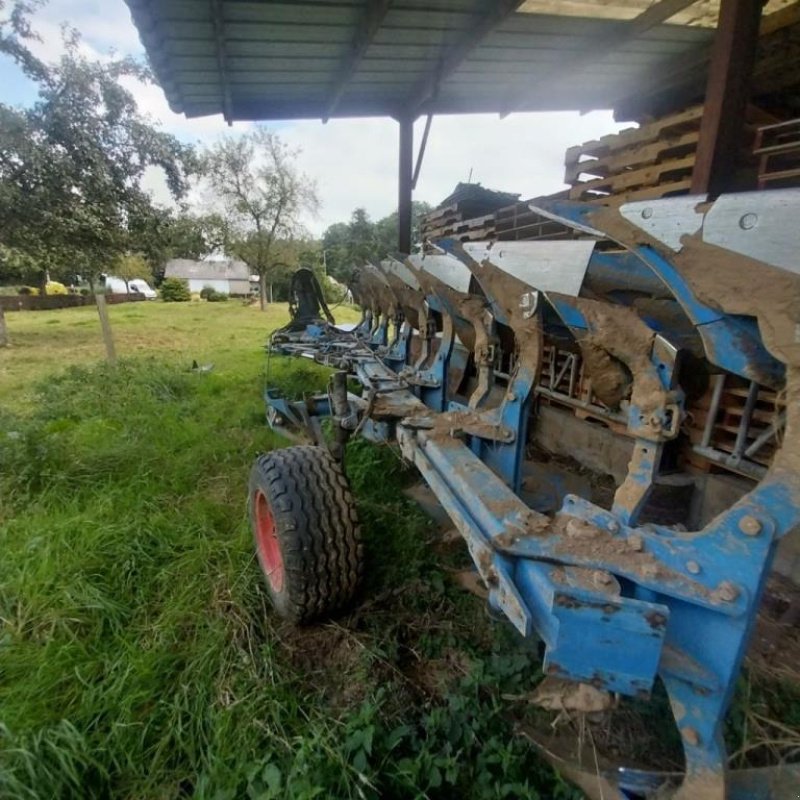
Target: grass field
138,655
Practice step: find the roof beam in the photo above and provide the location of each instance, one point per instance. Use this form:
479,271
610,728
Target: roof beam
459,52
680,80
621,34
222,57
370,22
732,60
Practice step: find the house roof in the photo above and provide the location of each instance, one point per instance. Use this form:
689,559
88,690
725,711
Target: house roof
207,270
340,58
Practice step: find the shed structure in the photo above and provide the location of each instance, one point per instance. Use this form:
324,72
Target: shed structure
321,59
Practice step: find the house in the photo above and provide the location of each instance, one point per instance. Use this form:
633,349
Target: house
227,276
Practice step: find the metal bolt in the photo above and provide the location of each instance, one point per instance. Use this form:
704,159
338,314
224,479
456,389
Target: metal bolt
647,213
749,525
727,592
691,736
602,578
693,567
748,222
636,543
613,526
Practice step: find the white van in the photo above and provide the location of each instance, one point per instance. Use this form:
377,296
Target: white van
135,286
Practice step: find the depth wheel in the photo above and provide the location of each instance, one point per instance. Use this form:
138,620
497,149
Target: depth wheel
306,532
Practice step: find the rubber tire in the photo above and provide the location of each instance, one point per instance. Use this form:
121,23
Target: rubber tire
317,529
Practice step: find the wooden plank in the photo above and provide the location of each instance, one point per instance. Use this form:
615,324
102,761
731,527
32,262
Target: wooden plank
646,176
727,92
670,147
688,119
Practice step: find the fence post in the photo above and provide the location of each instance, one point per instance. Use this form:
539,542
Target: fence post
105,325
3,329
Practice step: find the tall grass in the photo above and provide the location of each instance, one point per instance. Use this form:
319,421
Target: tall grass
139,657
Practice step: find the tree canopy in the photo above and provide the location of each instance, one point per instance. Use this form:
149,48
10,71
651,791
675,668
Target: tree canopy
71,165
263,196
349,244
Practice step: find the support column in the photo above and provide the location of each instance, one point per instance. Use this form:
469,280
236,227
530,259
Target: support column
405,179
727,94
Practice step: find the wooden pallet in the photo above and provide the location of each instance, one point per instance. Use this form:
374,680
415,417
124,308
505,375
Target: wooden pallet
655,160
652,180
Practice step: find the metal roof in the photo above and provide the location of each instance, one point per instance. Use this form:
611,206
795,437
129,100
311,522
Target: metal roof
343,58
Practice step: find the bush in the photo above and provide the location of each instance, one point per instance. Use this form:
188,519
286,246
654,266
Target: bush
27,290
212,295
175,290
85,292
54,288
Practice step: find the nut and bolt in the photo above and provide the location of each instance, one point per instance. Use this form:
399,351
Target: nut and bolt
647,213
691,736
602,578
613,526
727,592
748,222
693,567
749,525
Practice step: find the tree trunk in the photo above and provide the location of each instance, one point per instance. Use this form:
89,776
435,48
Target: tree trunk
3,330
43,276
262,291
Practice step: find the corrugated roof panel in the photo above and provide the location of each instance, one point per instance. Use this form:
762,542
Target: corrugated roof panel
286,59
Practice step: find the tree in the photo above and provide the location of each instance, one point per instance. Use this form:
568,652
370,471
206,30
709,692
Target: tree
256,179
132,266
71,165
347,245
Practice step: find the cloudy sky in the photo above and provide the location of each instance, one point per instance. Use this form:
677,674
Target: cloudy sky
353,161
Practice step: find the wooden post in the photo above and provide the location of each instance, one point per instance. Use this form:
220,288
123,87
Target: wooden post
727,94
105,325
405,179
3,329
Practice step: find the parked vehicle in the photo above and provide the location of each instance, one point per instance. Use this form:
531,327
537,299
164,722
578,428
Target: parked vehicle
136,286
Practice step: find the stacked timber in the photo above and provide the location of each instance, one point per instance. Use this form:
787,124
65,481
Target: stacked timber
467,214
778,152
654,160
518,221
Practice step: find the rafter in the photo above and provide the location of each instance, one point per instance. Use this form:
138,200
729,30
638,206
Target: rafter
621,34
370,23
222,59
457,54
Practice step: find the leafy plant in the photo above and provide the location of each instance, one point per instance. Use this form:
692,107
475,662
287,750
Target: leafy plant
175,290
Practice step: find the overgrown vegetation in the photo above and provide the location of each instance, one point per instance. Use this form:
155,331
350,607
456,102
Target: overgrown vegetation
138,655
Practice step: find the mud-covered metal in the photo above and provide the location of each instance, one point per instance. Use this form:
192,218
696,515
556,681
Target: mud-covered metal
617,603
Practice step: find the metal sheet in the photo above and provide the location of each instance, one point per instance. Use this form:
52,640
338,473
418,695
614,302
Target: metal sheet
448,269
546,266
401,271
760,225
667,220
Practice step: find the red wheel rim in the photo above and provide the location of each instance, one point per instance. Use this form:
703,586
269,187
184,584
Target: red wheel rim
268,548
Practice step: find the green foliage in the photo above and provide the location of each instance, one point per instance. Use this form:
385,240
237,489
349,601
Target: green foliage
347,245
132,266
175,290
212,295
72,163
264,195
140,658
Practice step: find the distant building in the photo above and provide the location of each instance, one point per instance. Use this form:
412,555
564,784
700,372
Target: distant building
230,277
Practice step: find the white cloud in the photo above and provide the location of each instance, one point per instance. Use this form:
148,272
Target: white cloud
354,162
